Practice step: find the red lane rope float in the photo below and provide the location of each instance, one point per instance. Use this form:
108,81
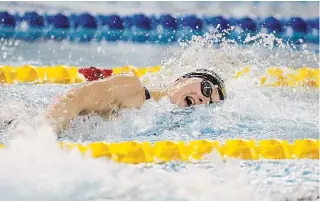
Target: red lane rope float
94,73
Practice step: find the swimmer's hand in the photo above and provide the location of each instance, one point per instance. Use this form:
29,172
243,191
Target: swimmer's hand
103,96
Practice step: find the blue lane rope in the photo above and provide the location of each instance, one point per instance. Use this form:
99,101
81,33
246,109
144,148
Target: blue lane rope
154,29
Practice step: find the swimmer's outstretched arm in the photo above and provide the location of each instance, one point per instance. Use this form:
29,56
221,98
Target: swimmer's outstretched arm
106,95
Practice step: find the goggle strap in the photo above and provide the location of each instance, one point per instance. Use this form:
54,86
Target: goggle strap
221,95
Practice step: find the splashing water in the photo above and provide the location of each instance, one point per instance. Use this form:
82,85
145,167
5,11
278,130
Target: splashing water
34,168
265,50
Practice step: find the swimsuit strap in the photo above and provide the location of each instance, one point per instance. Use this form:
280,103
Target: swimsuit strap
147,93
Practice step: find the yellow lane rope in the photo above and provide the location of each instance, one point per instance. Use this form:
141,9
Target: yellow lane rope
273,77
162,151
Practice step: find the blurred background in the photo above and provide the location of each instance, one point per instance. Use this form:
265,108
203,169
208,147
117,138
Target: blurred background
230,8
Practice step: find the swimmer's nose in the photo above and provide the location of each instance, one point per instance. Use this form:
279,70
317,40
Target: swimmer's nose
202,99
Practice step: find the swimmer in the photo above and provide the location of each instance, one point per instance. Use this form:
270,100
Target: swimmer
107,96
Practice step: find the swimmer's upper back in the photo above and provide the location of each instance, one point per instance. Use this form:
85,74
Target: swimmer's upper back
97,97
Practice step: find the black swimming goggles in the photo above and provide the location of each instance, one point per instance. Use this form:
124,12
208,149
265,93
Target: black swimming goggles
206,89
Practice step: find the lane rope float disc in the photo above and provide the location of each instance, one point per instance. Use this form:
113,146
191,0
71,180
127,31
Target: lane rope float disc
135,152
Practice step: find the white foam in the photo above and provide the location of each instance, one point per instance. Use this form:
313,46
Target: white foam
34,168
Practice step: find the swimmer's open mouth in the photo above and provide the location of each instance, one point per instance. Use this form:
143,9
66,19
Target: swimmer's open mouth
189,101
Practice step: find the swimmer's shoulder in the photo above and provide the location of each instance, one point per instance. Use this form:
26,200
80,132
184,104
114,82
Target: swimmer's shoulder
114,84
116,80
121,91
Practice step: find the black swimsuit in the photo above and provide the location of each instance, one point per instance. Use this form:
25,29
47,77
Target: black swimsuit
147,93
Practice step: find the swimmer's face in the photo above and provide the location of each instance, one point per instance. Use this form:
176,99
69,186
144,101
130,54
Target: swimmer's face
186,92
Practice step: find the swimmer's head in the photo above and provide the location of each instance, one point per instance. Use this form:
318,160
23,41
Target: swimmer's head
195,88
